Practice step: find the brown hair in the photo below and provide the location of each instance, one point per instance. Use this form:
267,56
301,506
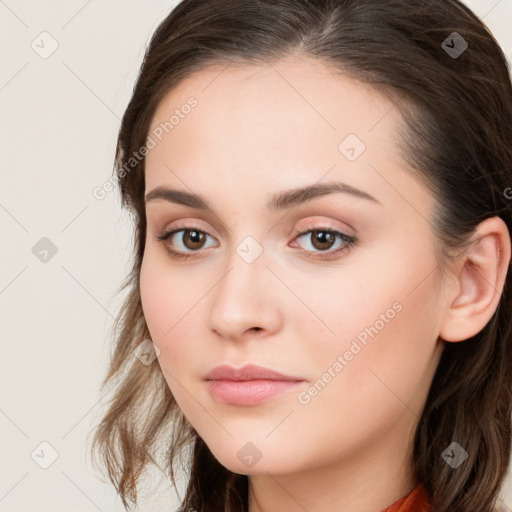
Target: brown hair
457,120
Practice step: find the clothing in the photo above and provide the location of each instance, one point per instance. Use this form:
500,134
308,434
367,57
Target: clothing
417,500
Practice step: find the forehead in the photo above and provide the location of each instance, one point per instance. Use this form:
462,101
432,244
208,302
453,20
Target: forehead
275,125
303,88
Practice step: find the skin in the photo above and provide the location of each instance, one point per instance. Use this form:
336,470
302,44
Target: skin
256,131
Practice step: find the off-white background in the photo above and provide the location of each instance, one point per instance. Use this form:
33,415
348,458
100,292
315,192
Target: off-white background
59,119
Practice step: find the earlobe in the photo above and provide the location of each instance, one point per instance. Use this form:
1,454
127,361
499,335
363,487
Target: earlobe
479,285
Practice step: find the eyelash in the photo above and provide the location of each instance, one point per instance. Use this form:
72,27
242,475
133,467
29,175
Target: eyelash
350,241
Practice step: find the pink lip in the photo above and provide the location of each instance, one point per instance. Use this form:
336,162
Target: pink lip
248,385
247,372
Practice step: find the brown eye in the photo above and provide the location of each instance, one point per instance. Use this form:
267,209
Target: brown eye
193,239
190,241
322,240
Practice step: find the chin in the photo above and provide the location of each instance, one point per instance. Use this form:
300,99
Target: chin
247,459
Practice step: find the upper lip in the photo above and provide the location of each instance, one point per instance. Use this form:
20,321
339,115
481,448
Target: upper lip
247,372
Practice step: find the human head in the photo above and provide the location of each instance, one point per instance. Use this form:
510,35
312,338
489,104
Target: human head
396,48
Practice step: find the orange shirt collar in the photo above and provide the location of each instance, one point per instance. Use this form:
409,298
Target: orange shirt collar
416,501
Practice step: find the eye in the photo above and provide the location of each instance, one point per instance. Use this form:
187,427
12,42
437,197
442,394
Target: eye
192,238
323,238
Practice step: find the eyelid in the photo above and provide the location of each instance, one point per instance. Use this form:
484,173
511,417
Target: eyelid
186,225
170,231
319,225
311,225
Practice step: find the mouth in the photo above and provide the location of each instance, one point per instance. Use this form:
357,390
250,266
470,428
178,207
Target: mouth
247,372
249,392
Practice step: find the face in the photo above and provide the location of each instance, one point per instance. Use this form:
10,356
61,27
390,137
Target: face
336,289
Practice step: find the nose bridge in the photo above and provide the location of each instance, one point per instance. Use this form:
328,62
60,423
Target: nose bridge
245,268
240,299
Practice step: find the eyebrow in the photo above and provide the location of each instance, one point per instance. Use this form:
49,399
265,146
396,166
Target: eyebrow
280,201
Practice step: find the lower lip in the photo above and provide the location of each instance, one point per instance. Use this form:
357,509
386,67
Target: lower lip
248,392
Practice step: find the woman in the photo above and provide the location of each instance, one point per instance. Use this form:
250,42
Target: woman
319,309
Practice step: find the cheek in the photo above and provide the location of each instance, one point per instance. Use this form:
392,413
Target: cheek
383,291
379,336
168,303
153,295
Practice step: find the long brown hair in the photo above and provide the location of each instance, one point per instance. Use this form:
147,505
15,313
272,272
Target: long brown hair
456,103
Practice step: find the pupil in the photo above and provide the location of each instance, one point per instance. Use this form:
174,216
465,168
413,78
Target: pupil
195,238
324,238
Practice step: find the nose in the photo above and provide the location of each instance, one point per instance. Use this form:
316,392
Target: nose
240,301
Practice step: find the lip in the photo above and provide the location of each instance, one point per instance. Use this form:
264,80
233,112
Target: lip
247,372
249,385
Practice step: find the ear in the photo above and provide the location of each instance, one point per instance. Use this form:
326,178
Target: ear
474,294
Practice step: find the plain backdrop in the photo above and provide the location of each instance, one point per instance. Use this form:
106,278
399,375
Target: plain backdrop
65,252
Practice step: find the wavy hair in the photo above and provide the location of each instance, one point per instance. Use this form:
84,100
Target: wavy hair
457,139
